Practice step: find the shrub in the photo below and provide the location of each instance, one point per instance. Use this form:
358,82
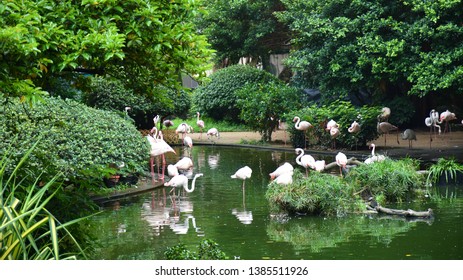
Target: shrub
207,250
262,105
394,179
28,230
78,141
110,94
218,99
344,113
320,193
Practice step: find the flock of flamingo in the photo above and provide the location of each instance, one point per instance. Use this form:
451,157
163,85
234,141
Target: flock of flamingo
283,174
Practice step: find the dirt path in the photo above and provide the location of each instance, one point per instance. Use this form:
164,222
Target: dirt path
446,145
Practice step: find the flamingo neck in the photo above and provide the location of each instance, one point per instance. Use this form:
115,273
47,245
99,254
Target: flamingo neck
298,158
298,120
155,130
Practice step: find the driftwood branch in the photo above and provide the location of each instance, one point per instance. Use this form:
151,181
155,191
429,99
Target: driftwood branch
350,161
405,213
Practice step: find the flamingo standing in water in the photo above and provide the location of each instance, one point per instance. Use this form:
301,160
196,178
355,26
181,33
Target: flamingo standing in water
158,148
302,126
341,161
182,181
184,164
306,161
243,173
201,125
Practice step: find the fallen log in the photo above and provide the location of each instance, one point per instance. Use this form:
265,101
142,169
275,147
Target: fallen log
405,213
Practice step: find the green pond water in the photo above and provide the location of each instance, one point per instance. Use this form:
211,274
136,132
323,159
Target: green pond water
143,226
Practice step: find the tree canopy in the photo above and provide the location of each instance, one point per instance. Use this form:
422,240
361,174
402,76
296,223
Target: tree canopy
139,40
237,28
410,47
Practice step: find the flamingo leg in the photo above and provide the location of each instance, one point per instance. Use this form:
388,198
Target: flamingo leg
152,168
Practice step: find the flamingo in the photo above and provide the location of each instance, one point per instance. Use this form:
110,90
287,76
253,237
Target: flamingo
243,173
384,128
172,170
201,125
319,165
156,120
158,148
285,168
341,161
182,181
385,114
213,132
188,142
168,123
183,128
432,122
334,133
285,179
331,124
447,116
184,164
374,157
306,161
302,126
409,135
354,129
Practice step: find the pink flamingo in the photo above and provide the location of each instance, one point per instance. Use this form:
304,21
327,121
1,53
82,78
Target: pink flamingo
302,126
446,117
201,125
384,128
334,133
243,173
158,148
213,132
341,161
354,129
285,168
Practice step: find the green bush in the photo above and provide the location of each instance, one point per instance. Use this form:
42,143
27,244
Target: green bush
262,105
396,180
80,142
217,99
207,250
344,113
320,193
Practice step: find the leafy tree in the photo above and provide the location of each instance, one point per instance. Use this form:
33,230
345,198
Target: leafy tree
146,42
218,99
263,105
239,28
381,47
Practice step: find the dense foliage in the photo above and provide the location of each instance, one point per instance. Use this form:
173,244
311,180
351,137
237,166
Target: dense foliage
327,194
111,94
344,113
217,98
239,29
143,41
82,143
385,47
28,229
396,180
263,105
207,250
321,193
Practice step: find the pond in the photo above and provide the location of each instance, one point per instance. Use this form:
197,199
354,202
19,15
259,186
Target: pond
143,226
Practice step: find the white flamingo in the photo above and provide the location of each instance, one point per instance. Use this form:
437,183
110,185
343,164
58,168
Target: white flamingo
285,179
319,165
172,170
213,132
306,161
385,114
243,173
332,123
182,181
432,122
302,126
374,157
285,168
184,163
188,142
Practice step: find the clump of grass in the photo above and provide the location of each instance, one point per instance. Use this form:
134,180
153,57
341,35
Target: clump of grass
393,179
320,193
448,168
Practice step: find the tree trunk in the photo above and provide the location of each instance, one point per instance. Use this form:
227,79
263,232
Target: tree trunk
405,213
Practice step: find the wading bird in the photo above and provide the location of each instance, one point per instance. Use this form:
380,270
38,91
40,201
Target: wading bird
385,128
409,135
341,161
302,126
213,132
243,173
374,157
285,168
306,161
200,124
